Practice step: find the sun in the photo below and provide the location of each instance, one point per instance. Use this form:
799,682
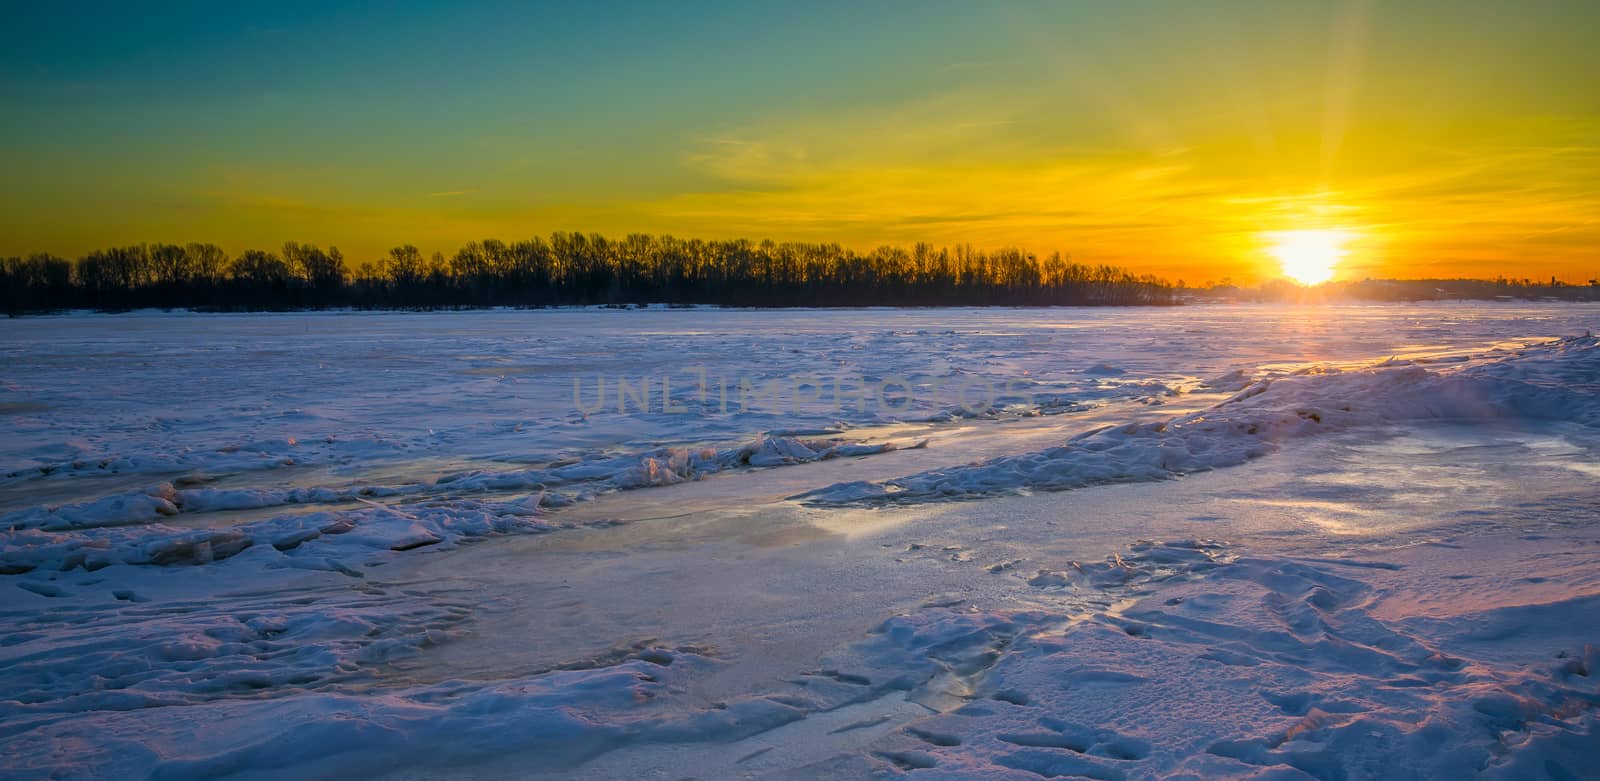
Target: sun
1308,256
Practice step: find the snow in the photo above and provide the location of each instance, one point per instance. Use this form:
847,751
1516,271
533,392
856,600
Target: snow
1542,382
1268,664
661,466
1216,542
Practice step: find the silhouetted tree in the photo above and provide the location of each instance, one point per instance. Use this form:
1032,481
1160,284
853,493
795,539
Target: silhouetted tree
261,269
405,266
209,263
322,271
572,268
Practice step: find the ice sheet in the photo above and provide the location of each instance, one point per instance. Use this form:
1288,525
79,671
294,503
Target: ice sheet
389,545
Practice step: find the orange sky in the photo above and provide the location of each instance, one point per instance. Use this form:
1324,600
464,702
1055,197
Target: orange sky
1459,140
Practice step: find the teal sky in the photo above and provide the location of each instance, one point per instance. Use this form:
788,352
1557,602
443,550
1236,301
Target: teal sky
1444,138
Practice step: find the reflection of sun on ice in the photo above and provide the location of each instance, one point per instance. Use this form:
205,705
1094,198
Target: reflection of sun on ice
1308,257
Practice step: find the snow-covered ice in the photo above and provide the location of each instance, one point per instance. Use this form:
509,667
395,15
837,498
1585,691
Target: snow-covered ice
1548,382
1251,542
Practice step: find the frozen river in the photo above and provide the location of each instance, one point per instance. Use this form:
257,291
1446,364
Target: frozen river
1214,541
327,399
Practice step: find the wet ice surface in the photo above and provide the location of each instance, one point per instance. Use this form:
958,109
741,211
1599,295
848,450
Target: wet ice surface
461,576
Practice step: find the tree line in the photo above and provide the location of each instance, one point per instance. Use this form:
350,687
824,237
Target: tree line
1502,287
1401,290
566,269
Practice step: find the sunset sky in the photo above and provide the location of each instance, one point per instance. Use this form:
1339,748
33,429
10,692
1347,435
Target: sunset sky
1437,138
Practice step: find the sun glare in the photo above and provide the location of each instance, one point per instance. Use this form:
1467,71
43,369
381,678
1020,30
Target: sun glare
1308,256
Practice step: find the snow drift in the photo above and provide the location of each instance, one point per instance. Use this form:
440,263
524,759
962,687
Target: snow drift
1551,381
